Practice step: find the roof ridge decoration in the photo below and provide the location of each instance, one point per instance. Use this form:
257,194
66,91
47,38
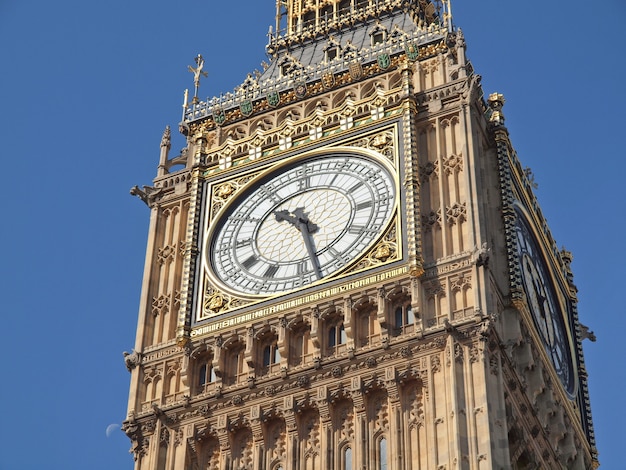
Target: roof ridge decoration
374,32
301,20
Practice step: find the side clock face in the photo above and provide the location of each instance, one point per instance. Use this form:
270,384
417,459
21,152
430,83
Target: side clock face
544,304
301,224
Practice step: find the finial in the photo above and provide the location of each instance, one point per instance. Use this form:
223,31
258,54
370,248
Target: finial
166,139
197,72
448,15
185,103
496,102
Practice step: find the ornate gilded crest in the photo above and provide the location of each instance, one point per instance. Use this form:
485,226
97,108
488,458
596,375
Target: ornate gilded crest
273,98
384,61
219,116
300,89
412,51
328,80
356,70
246,107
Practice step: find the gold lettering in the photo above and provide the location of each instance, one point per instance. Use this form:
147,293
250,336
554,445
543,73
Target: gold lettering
310,298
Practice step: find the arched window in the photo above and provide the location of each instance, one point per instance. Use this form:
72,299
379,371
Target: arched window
336,336
206,373
300,348
347,459
382,454
367,326
235,369
271,357
404,319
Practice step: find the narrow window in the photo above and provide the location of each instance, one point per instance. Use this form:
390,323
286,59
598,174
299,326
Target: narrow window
236,371
298,350
326,14
378,37
267,355
347,458
332,337
271,355
410,318
206,374
342,335
382,453
364,330
309,18
404,319
399,318
202,377
285,69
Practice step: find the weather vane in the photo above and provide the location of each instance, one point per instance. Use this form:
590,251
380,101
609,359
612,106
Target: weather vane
197,72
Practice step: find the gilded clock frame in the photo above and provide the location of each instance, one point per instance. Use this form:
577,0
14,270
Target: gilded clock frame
223,188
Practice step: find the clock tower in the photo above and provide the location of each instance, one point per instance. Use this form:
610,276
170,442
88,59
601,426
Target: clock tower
347,267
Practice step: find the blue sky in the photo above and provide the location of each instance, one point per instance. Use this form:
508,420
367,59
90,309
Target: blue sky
86,90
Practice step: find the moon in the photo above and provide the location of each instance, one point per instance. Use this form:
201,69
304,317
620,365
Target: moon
111,428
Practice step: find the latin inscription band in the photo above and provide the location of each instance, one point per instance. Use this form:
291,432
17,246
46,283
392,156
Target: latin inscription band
307,299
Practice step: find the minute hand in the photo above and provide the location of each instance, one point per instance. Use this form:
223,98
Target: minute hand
300,220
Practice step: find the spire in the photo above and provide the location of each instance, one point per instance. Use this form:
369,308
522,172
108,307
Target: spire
197,73
298,19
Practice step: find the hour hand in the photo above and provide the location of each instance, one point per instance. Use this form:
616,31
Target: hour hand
299,219
303,218
285,216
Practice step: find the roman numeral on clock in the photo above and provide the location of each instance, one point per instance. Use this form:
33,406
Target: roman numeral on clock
358,230
242,243
271,270
363,205
304,182
251,261
355,187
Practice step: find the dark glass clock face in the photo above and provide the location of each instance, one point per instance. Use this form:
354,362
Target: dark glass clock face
544,305
301,224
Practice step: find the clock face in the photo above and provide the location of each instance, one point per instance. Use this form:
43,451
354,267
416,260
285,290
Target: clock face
544,305
301,224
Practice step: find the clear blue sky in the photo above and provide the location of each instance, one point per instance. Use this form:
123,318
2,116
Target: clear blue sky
86,90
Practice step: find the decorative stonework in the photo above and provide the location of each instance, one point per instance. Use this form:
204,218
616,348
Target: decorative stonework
434,288
461,282
380,410
431,220
223,192
453,164
429,171
166,254
456,213
160,305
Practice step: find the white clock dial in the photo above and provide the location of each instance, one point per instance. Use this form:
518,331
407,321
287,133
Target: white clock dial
301,224
544,305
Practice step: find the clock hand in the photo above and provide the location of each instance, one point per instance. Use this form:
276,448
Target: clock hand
300,220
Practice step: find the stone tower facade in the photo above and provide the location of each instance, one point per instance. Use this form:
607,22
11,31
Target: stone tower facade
347,267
